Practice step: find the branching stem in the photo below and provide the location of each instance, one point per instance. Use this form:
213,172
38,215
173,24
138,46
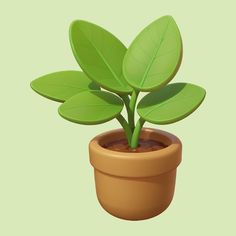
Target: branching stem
126,127
129,112
136,133
132,105
132,132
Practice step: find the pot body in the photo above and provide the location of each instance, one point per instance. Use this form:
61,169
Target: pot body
135,186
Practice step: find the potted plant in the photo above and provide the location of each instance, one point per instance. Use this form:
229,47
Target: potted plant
134,167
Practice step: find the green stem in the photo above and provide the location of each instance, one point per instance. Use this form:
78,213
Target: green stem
136,133
132,105
126,127
129,112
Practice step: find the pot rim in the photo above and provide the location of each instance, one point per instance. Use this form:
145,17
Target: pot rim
129,164
172,141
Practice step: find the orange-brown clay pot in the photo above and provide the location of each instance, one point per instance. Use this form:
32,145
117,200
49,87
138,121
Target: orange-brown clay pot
135,186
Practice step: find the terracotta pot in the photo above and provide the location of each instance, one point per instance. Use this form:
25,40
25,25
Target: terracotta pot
135,186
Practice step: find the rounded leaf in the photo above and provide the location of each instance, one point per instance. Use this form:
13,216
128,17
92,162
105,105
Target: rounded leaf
170,104
154,56
100,55
91,107
60,86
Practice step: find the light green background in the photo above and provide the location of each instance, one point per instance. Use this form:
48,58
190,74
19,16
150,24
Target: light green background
46,181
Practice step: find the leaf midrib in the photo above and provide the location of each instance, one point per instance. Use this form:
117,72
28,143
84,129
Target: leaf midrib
167,102
63,85
154,56
88,105
104,60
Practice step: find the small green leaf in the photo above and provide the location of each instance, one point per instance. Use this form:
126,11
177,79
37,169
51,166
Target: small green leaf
100,55
91,107
154,56
170,104
60,86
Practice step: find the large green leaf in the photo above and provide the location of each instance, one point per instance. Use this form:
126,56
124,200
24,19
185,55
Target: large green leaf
60,86
100,54
154,56
170,104
91,107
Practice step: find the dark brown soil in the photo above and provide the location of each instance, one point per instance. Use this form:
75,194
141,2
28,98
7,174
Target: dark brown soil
143,146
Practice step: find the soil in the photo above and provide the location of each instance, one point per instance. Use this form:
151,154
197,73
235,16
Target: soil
143,146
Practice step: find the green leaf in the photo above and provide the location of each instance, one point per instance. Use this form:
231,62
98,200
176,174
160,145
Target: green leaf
170,104
60,86
154,56
91,107
100,55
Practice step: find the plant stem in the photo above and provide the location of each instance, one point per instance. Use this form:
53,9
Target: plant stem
136,133
129,112
126,127
132,104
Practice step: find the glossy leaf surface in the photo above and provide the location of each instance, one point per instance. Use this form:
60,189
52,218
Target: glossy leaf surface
91,107
60,86
170,104
154,56
100,55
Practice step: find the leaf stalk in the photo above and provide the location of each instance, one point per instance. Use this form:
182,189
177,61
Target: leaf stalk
136,133
126,127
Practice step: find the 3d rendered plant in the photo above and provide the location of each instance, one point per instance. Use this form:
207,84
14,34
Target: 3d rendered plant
148,65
